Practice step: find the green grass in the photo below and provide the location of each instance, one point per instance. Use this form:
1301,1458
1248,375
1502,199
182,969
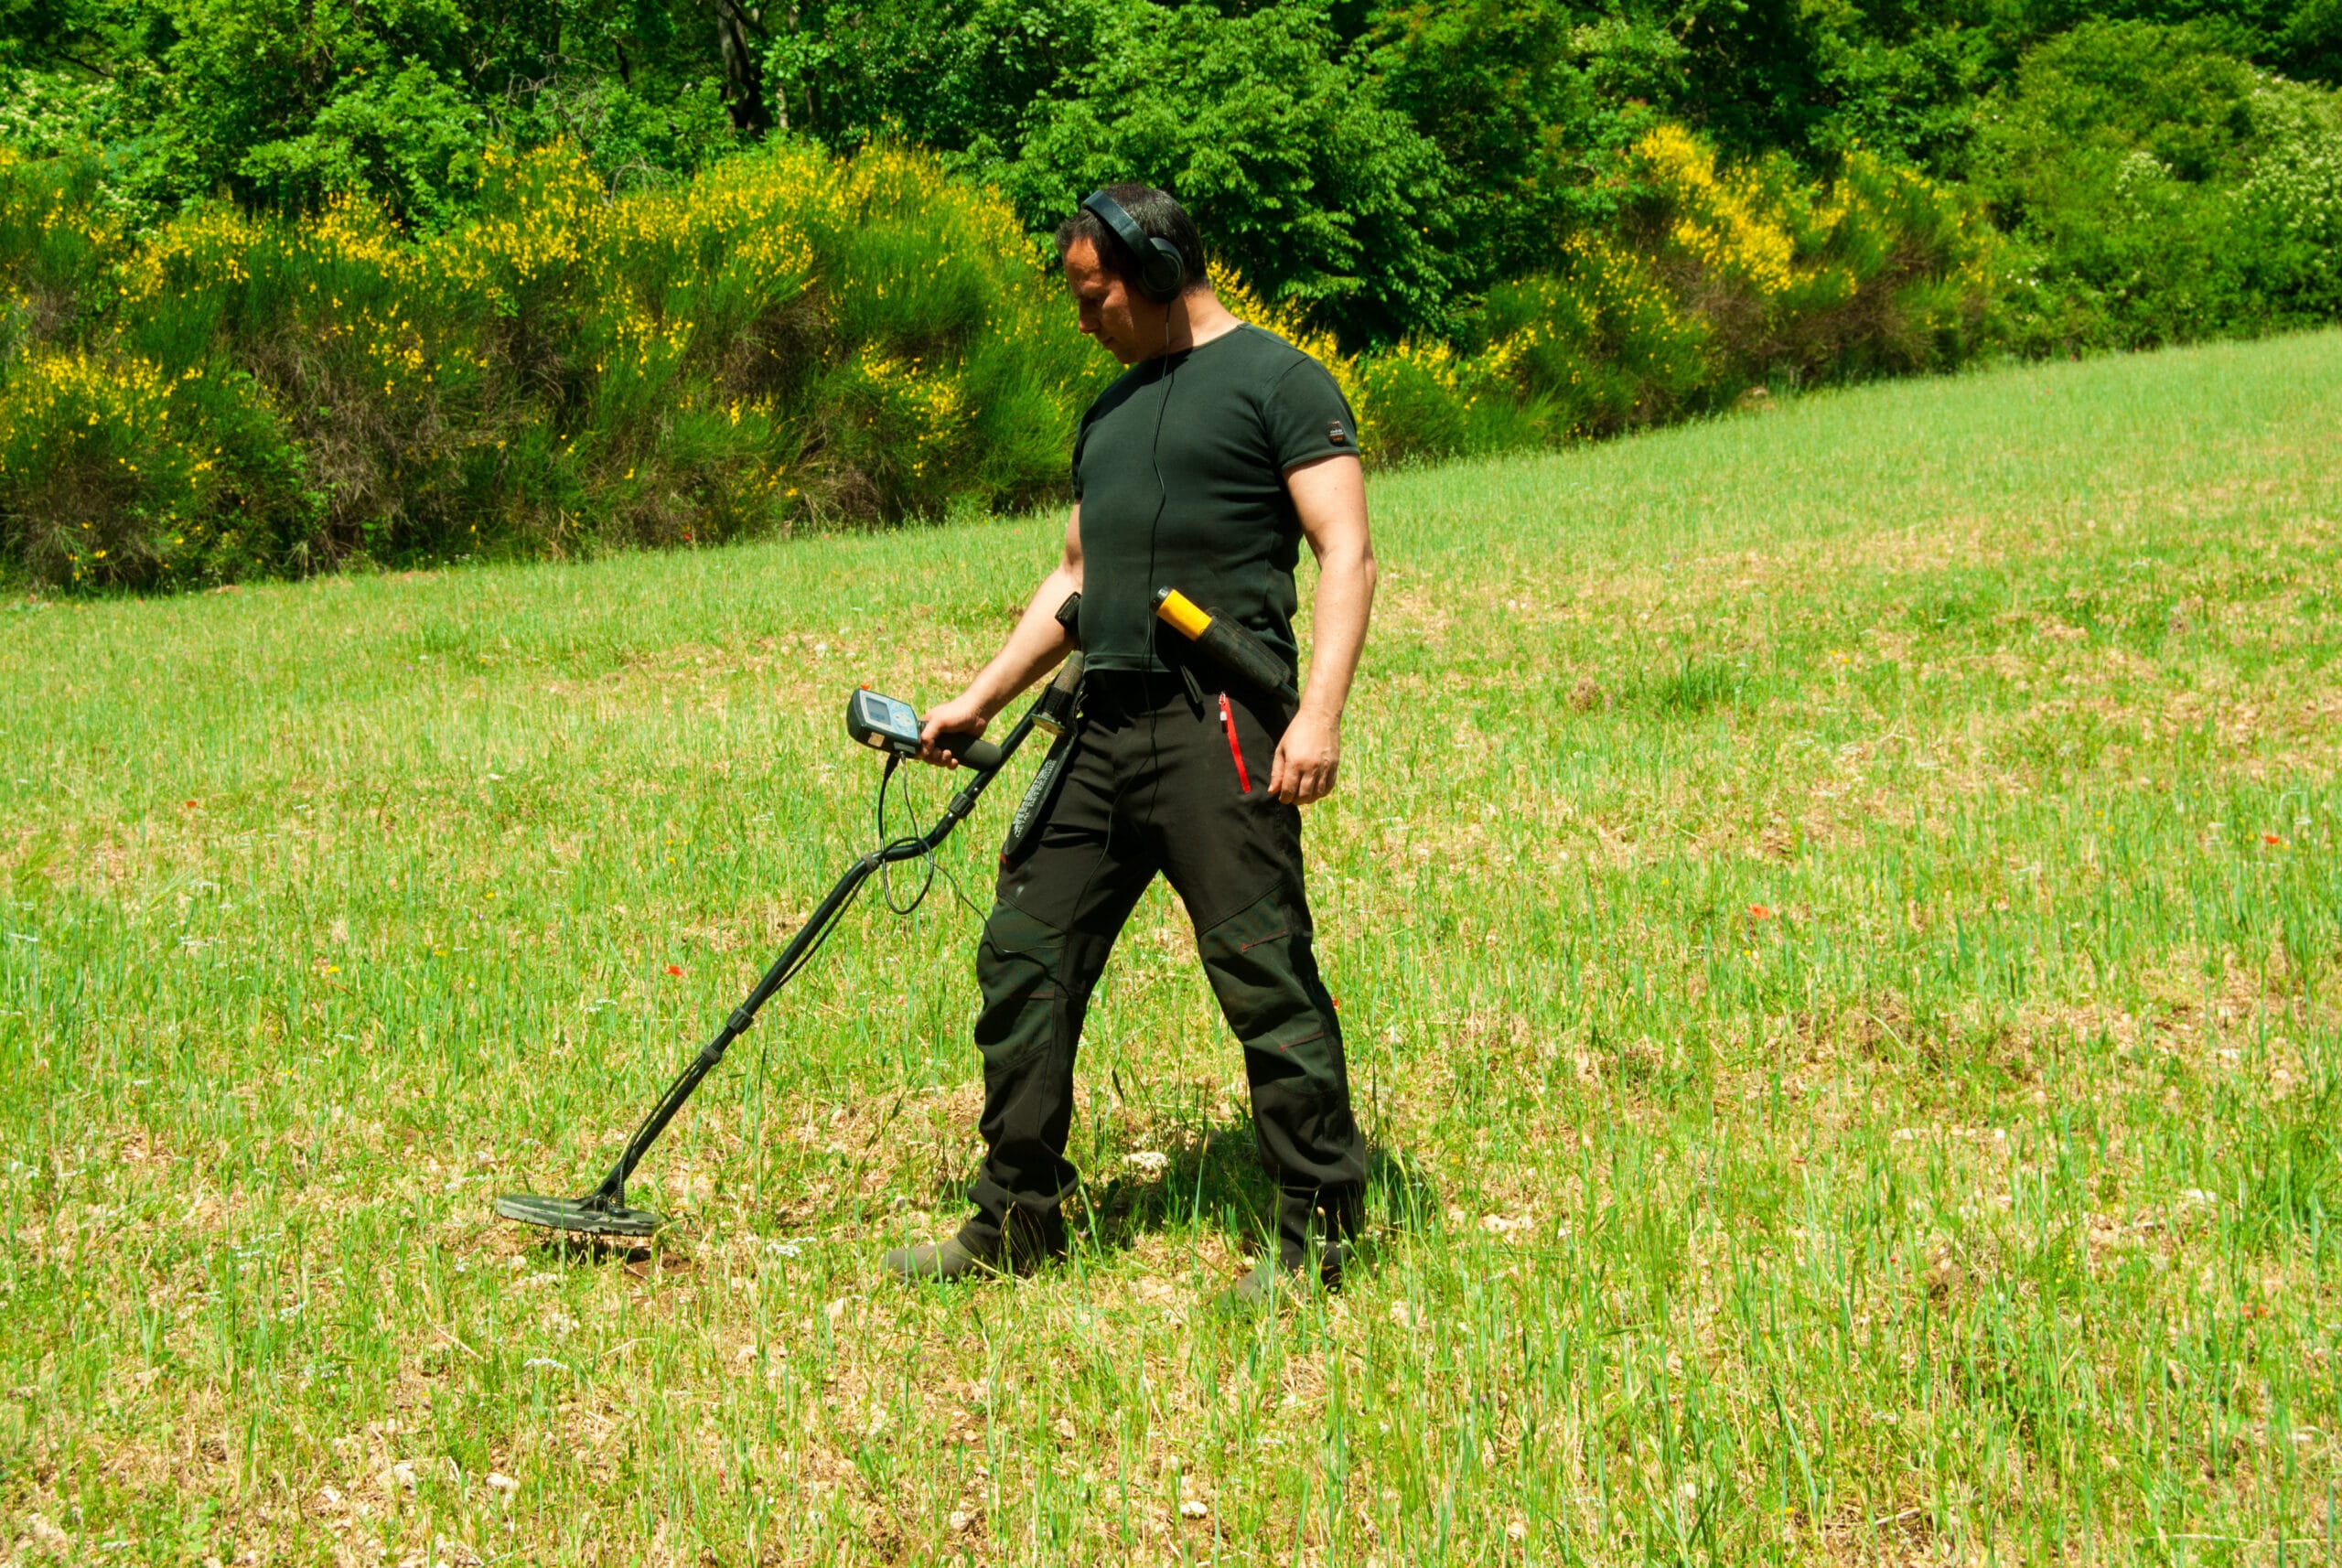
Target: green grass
1836,913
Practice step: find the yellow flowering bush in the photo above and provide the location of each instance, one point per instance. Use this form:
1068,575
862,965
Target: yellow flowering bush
1714,279
1729,227
1878,269
793,340
110,485
56,237
789,338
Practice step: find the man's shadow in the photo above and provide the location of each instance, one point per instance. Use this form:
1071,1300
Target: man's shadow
1212,1176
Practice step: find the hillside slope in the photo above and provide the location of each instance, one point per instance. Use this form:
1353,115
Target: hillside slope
1835,912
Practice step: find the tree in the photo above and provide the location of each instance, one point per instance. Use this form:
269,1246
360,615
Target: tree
958,76
1319,191
283,103
1533,102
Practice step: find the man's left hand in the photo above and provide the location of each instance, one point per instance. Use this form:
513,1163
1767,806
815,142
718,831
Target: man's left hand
1307,759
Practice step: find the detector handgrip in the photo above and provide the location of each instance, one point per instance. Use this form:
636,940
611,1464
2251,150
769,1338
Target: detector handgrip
972,750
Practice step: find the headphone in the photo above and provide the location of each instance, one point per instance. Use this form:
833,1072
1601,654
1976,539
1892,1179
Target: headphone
1162,271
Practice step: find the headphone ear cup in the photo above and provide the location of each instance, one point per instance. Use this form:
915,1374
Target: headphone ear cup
1163,276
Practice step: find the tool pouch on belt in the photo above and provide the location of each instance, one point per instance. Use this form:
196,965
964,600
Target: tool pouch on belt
1062,703
1230,647
1034,808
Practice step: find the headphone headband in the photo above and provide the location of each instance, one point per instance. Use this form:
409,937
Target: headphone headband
1162,271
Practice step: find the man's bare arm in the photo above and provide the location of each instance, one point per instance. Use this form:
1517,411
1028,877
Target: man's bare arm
1330,496
1033,650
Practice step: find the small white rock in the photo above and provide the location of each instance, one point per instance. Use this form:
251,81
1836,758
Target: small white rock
1193,1508
499,1481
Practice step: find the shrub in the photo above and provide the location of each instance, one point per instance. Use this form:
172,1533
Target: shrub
102,485
792,339
2159,190
105,487
1532,106
1326,200
2288,208
788,340
1878,270
1712,277
58,238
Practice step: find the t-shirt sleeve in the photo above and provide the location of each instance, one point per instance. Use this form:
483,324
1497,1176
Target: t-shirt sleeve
1307,416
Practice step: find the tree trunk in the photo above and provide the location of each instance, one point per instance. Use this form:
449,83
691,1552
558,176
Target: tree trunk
739,30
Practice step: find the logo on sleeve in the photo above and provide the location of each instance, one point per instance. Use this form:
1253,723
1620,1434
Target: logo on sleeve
1335,433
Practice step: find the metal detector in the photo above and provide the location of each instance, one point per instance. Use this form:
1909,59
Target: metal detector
887,726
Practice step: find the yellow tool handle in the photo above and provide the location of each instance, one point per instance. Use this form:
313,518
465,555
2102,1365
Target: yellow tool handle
1227,643
1182,614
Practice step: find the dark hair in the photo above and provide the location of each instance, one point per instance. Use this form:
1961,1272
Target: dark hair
1158,216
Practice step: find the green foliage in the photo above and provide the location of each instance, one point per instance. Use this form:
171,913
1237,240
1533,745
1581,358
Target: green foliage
1324,197
1377,169
2311,44
411,137
1533,110
2164,191
1508,221
1755,69
959,77
793,340
1715,278
279,103
2119,88
788,341
1914,99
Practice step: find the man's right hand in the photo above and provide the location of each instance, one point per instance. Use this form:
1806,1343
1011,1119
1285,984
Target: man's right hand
963,715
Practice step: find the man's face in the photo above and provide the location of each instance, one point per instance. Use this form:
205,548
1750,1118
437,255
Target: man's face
1126,325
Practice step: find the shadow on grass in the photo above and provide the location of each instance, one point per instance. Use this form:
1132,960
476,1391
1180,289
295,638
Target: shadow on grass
1214,1179
558,1247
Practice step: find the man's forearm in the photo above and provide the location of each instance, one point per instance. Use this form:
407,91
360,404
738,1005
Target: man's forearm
1344,600
1033,648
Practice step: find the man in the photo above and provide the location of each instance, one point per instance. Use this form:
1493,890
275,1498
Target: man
1202,469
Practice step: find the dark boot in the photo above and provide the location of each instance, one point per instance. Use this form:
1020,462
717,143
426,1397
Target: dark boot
942,1260
1270,1282
981,1250
1314,1239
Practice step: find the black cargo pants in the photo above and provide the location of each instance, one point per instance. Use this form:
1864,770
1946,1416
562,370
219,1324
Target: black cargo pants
1156,782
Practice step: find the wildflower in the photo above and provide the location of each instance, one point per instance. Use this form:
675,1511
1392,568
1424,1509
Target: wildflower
2273,841
674,968
1759,912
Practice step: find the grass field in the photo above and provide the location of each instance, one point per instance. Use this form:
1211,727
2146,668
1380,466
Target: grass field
1836,915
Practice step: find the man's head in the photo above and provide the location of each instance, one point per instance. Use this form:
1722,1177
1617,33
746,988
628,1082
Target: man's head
1103,272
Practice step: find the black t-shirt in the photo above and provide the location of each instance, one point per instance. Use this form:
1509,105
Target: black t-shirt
1233,415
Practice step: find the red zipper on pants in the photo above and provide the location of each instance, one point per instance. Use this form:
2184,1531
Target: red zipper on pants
1228,720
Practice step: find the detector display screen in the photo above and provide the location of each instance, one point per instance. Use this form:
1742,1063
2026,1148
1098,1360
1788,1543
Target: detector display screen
883,723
